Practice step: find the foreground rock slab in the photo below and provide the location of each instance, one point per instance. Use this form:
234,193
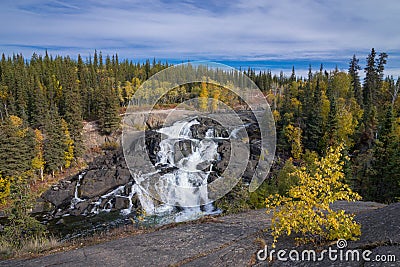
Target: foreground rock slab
223,241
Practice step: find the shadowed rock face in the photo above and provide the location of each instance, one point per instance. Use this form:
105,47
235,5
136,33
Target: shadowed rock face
103,175
61,194
97,182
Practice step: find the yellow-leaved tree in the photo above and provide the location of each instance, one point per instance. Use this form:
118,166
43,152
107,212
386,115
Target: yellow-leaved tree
214,106
293,134
306,210
203,97
4,189
69,145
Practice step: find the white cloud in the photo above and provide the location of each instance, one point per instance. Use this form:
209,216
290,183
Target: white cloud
244,29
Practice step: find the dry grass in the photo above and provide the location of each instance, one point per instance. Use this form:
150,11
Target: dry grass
36,247
29,248
40,247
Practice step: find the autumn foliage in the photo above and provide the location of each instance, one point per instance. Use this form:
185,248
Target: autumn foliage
306,210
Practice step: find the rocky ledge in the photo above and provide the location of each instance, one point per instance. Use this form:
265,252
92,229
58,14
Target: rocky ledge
104,174
229,241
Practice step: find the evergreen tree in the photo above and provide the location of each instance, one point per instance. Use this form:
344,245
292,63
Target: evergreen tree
313,128
73,115
370,82
54,144
16,142
95,60
373,79
109,111
293,76
21,88
371,88
38,107
383,183
355,80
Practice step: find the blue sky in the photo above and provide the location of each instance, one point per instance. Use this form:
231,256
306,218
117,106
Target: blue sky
264,34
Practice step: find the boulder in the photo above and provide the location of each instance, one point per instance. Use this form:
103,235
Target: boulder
60,213
60,197
99,182
121,203
42,205
60,221
199,130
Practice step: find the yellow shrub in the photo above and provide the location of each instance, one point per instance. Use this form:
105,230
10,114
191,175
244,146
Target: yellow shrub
306,210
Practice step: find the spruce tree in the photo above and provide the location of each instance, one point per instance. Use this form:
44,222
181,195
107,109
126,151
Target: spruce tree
109,111
54,144
73,113
355,80
313,129
38,107
371,88
293,75
16,141
383,183
370,82
21,88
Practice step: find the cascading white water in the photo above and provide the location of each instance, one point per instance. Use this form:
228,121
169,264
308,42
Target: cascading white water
191,162
118,192
76,198
186,185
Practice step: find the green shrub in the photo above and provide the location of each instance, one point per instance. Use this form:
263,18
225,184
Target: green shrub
20,228
236,200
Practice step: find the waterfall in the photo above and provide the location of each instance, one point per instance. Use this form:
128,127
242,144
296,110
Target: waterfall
189,176
186,185
183,164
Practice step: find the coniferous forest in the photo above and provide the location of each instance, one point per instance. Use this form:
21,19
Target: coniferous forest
44,101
